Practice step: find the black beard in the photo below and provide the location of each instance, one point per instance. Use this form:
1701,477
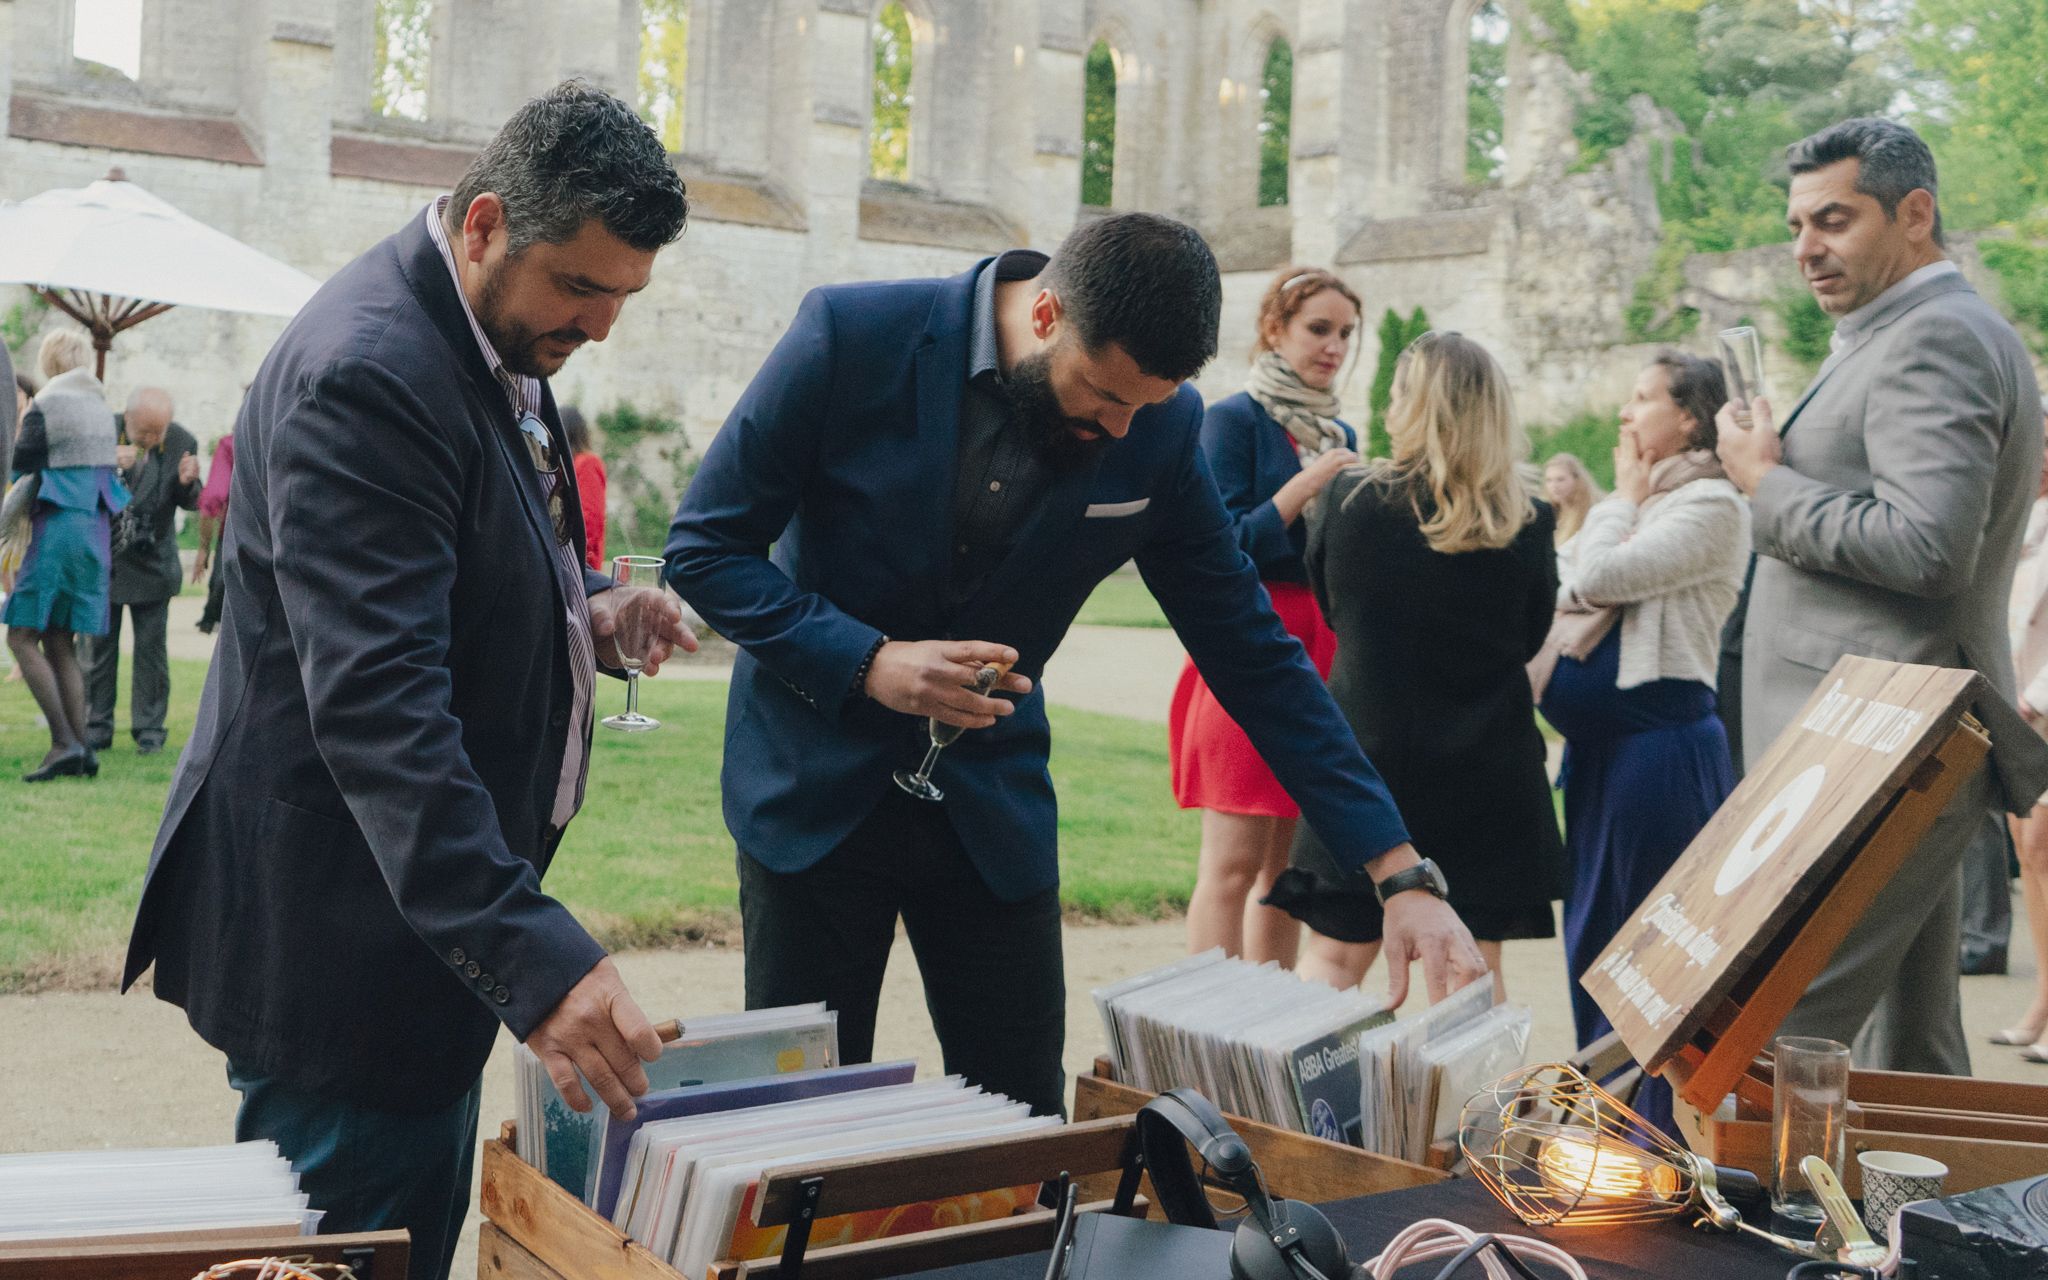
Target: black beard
517,345
1053,434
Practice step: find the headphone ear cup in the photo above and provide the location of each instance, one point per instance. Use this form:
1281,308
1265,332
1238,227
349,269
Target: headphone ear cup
1254,1256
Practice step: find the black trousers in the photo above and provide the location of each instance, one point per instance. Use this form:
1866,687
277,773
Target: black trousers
994,976
149,687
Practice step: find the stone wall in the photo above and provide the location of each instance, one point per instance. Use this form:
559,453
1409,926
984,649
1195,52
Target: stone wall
253,115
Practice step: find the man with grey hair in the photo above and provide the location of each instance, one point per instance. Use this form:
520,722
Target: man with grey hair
345,894
159,462
1887,524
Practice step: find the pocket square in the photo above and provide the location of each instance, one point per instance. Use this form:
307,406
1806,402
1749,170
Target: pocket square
1101,510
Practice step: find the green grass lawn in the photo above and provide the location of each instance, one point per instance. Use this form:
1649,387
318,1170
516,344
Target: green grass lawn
647,861
1122,601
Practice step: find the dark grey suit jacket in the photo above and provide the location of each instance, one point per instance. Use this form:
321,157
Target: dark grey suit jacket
1893,528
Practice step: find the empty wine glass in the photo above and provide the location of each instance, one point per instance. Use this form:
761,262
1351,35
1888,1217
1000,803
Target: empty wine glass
1742,353
918,782
638,622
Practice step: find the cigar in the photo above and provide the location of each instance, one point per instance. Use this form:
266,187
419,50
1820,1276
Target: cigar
669,1032
990,674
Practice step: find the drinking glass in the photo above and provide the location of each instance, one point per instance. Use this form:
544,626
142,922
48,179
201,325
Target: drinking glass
1809,1117
635,634
918,782
1742,354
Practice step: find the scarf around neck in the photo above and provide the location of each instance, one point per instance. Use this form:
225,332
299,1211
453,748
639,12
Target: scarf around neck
1309,415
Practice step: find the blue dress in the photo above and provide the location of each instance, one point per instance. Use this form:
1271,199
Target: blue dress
1644,769
66,572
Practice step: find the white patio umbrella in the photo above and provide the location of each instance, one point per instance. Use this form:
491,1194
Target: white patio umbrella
111,255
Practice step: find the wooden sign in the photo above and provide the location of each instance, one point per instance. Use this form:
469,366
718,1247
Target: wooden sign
1698,979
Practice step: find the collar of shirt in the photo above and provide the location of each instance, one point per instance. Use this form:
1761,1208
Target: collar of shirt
1850,328
523,392
984,359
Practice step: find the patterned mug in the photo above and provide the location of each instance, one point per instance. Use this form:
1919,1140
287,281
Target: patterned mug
1892,1179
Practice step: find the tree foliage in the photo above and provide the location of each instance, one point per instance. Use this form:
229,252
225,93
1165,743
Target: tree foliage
664,64
400,53
1098,127
1980,82
1486,94
889,138
1395,336
1276,115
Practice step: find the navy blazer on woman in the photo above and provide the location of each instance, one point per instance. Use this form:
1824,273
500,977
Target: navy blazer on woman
1252,456
345,891
840,456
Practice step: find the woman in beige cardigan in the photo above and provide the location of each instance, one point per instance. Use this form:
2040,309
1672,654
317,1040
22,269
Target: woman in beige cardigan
1638,635
2029,620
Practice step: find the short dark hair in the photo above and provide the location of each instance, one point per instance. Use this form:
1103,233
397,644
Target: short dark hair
572,154
574,427
1699,388
1894,161
1148,284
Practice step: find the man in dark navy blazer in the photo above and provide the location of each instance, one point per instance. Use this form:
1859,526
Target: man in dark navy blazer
345,892
944,469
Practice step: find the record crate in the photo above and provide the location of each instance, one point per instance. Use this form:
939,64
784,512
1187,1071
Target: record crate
535,1230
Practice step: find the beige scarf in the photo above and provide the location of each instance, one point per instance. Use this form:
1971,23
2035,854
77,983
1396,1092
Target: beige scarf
1309,415
1578,628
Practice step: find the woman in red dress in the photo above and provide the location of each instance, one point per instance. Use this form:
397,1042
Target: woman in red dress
1271,447
590,482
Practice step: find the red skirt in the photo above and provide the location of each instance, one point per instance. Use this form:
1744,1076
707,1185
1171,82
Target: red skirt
1214,765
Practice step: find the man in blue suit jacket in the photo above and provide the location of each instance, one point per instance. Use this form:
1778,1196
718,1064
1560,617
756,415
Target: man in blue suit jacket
345,893
945,469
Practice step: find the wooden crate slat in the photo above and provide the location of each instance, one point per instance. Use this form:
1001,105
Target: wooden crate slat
181,1259
923,1251
1972,1162
859,1183
1297,1166
556,1227
500,1257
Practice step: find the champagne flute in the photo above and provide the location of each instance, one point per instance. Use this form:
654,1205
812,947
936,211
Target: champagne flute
918,782
1742,354
635,634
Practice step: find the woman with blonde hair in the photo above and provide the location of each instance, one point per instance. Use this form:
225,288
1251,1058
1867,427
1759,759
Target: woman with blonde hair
66,491
1271,448
1572,490
1436,570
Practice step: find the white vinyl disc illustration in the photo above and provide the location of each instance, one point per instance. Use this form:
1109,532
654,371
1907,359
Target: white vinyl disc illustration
1772,827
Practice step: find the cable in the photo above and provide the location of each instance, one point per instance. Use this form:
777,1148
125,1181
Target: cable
1817,1268
1433,1238
1477,1249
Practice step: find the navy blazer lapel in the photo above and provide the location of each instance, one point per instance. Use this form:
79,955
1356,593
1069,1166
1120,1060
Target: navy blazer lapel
941,378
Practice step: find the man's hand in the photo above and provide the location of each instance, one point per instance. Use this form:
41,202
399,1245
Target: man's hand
124,456
1418,925
1746,453
607,608
188,469
936,678
200,564
598,1030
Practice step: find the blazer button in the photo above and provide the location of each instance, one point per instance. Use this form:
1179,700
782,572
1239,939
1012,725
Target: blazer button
472,968
501,995
457,956
485,981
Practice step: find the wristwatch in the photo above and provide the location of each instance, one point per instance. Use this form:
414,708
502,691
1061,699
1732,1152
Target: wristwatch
1423,875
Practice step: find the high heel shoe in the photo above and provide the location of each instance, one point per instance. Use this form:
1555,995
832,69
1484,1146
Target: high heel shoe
2017,1037
64,766
2035,1052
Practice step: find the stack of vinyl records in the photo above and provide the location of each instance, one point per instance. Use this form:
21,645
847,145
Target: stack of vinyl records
62,1195
688,1179
1259,1041
1416,1074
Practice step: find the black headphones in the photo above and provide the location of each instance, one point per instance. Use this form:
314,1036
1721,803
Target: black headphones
1278,1239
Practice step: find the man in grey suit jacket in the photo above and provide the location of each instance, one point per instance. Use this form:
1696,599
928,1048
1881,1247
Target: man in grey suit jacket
1887,523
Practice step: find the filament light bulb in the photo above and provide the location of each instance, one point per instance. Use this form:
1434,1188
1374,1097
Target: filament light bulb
1576,1164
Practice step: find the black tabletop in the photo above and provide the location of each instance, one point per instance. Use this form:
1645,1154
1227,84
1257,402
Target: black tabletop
1643,1252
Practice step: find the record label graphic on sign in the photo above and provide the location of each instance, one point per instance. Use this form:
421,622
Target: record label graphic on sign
1771,828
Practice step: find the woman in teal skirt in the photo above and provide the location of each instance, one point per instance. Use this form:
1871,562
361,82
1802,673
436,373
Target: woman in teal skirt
65,450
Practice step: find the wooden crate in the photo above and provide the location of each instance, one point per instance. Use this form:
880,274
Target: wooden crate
1986,1131
377,1255
534,1230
